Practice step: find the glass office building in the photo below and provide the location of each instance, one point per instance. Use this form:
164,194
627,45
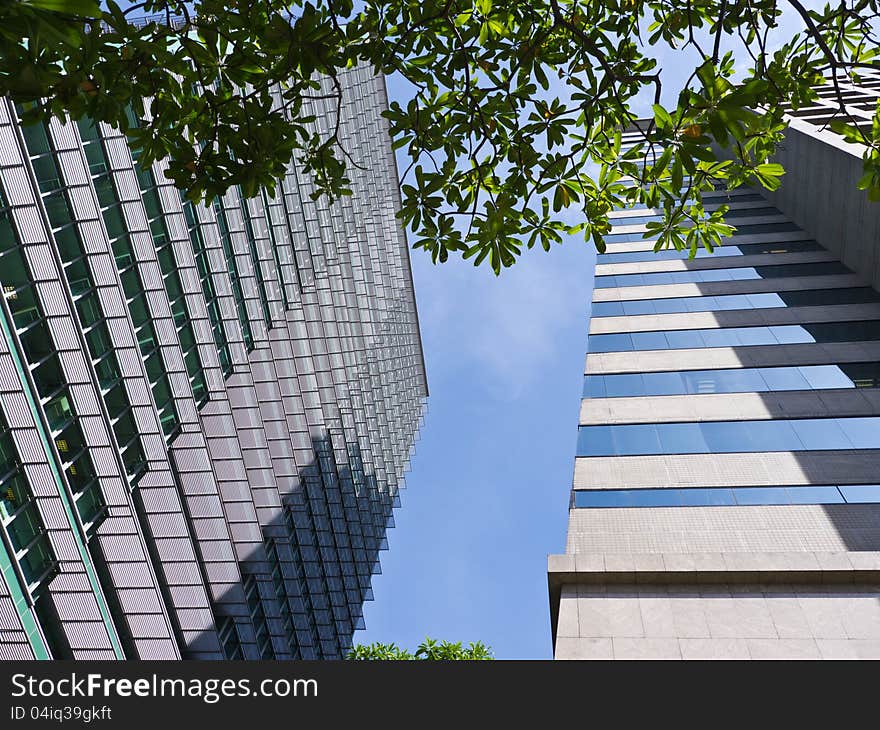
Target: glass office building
206,412
726,493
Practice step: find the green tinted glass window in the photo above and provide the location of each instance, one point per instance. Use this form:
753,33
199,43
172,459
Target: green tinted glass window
79,278
107,371
14,270
69,442
24,306
116,400
95,158
46,172
134,460
88,130
14,494
152,204
25,527
89,309
49,376
8,453
59,410
37,342
114,222
90,503
80,473
38,560
98,340
36,138
138,309
69,244
8,239
104,189
58,209
131,283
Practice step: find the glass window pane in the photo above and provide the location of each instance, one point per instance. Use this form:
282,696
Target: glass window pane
861,492
36,138
821,433
863,433
826,376
791,334
624,385
684,339
785,379
663,383
635,439
656,497
648,341
604,498
80,473
707,497
594,386
14,271
595,441
610,343
14,494
89,309
681,438
760,495
24,305
813,495
723,437
770,436
638,306
59,410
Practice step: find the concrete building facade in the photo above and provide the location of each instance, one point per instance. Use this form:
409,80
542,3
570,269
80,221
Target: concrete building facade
726,493
206,412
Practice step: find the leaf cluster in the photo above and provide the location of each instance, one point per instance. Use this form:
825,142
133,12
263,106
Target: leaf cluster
513,129
429,649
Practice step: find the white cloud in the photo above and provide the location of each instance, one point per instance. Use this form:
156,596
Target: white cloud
502,332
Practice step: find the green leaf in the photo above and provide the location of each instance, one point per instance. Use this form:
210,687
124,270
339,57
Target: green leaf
82,8
661,116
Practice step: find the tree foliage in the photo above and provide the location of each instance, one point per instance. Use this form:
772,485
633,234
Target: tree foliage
513,124
429,649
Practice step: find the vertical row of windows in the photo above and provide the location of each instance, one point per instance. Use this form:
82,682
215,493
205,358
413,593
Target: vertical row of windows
132,284
85,295
173,285
212,302
234,274
48,376
229,639
20,518
264,641
288,622
276,216
258,270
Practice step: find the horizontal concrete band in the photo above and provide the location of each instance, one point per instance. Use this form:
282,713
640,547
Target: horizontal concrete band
719,288
682,569
732,406
720,261
735,318
656,361
768,469
781,567
775,218
735,240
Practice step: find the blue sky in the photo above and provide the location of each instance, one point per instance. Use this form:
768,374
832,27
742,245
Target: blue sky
487,498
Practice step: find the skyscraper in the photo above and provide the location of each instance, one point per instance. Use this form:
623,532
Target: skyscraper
725,501
206,411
